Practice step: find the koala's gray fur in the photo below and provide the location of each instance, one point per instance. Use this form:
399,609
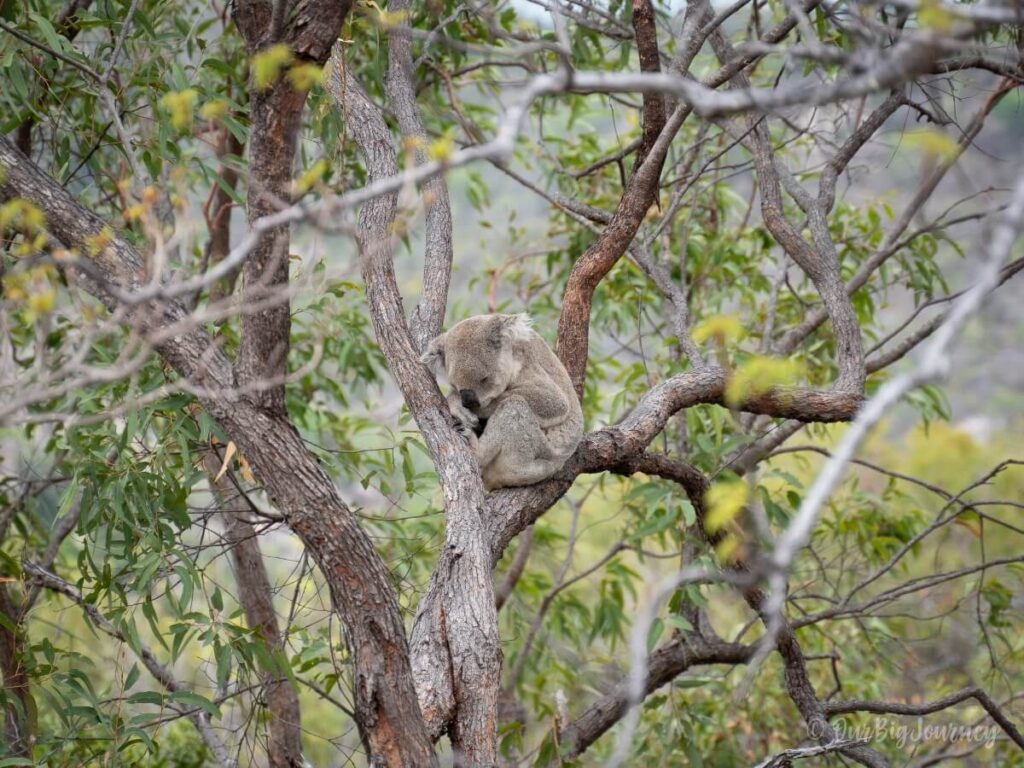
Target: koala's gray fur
512,395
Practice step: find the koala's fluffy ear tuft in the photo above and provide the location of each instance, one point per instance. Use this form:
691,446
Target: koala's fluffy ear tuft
433,358
516,328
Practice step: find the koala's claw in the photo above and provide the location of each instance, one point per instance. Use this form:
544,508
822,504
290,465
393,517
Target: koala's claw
462,417
468,432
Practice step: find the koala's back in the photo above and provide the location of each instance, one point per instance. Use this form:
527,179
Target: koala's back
541,369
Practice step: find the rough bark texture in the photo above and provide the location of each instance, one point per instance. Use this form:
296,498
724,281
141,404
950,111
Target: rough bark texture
456,655
276,117
386,710
388,716
645,32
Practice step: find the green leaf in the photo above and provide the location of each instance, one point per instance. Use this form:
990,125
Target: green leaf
654,634
195,700
133,676
53,40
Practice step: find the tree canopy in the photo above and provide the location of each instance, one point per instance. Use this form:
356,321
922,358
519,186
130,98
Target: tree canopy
771,242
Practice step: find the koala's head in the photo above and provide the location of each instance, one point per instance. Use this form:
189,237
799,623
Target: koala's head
478,355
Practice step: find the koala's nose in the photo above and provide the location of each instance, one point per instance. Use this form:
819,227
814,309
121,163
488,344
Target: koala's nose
468,398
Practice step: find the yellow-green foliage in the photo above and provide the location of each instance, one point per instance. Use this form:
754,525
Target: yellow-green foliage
267,65
214,110
721,328
933,143
20,215
756,375
305,76
180,106
724,501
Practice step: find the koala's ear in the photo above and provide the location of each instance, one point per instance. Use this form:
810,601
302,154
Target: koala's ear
516,328
433,358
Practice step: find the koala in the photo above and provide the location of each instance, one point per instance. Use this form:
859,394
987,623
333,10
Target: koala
513,398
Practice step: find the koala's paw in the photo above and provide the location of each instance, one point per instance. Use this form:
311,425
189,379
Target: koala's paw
467,431
463,417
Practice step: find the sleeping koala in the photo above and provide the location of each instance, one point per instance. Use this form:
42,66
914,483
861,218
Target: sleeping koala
512,396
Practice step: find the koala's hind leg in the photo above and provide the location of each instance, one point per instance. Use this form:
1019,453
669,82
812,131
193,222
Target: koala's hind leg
512,449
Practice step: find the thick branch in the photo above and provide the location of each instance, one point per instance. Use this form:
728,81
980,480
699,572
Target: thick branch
509,511
360,585
276,115
640,194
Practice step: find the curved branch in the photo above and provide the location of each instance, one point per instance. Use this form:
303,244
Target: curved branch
888,247
508,511
640,194
663,666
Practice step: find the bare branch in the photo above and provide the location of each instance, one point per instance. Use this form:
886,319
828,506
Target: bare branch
428,316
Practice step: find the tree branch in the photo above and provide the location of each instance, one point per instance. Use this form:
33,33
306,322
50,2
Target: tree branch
276,117
428,316
640,194
663,666
284,749
359,582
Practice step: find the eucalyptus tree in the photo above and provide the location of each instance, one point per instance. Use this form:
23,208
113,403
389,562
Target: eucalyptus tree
682,206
